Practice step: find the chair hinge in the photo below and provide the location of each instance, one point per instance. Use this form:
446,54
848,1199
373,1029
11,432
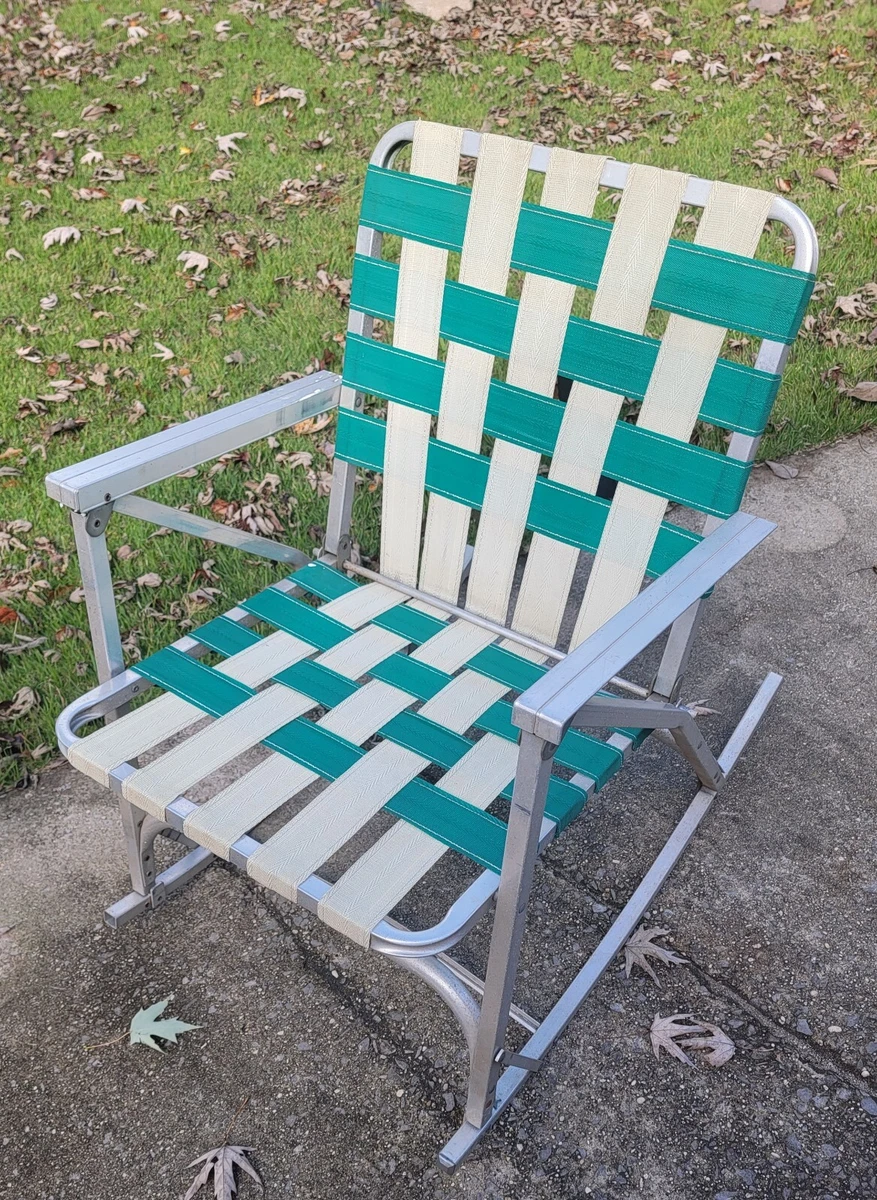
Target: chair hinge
97,519
508,1058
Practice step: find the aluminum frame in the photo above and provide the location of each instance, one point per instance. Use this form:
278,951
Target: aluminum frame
562,697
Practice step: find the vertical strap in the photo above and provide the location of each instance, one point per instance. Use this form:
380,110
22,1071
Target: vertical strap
641,231
435,153
732,220
571,185
497,191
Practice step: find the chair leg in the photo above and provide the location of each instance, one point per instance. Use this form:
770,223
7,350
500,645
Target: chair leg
140,832
522,1065
521,848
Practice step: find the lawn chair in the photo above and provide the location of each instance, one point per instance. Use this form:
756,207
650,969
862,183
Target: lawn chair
417,661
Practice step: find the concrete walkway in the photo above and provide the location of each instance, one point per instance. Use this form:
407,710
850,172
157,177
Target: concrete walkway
775,908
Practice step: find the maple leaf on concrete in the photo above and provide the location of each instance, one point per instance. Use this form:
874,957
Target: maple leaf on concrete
220,1163
718,1044
665,1030
640,946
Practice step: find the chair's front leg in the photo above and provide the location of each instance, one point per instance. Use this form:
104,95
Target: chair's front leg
521,848
89,532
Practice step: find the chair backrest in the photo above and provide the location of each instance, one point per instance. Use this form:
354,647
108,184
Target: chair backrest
440,408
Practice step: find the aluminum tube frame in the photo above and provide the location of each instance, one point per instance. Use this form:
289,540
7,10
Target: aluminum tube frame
538,1045
535,760
104,478
200,527
548,707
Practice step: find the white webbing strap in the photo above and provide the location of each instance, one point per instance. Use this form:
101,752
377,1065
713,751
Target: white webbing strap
571,185
316,832
385,874
497,191
435,154
640,233
732,220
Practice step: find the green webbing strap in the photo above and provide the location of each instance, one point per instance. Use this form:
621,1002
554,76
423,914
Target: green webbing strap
664,466
724,289
738,397
561,512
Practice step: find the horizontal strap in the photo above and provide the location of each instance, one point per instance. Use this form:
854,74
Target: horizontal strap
453,822
738,397
324,581
664,466
561,512
207,689
225,636
295,617
587,755
715,286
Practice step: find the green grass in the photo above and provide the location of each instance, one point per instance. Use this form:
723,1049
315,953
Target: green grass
261,301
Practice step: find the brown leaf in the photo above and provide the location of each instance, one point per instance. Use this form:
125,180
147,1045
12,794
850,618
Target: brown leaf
719,1046
312,424
783,470
221,1163
865,391
640,946
21,703
150,580
664,1030
827,176
769,8
8,616
60,236
67,425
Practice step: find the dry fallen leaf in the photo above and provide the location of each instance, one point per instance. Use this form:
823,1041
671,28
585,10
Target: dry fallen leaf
21,703
133,204
865,391
150,580
221,1163
718,1044
640,946
228,142
827,176
782,470
769,8
164,352
312,424
49,302
221,175
665,1029
60,236
193,261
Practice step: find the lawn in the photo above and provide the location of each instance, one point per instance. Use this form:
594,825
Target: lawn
117,125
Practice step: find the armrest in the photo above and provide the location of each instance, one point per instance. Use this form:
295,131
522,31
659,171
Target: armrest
117,473
548,707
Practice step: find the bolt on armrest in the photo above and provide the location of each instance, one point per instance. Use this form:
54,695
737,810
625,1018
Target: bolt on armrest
107,477
549,706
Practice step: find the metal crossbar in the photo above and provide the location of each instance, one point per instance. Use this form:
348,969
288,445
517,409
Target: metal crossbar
382,681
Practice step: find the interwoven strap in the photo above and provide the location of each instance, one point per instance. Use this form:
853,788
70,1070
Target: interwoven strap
633,265
571,185
497,191
435,153
646,214
732,220
456,672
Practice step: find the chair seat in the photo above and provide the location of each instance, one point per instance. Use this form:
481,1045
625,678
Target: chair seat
368,667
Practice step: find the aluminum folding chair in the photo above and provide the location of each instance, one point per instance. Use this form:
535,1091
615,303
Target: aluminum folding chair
392,695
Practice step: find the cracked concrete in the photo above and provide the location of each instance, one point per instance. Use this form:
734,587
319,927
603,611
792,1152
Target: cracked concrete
354,1072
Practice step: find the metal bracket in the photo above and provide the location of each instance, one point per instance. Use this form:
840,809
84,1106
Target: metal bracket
508,1058
97,519
341,555
157,895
